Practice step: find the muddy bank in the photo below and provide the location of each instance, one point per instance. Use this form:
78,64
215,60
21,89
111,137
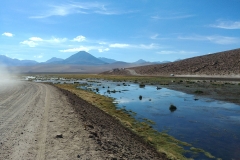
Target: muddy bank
110,137
225,90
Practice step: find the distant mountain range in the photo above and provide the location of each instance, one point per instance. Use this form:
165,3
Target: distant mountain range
80,58
4,60
107,60
54,59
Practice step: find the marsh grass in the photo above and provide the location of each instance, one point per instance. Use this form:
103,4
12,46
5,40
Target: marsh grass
141,85
198,150
198,92
163,142
218,84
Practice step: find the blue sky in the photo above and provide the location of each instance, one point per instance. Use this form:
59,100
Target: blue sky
153,30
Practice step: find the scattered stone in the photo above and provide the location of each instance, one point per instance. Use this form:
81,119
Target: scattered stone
90,126
172,108
90,136
59,136
94,133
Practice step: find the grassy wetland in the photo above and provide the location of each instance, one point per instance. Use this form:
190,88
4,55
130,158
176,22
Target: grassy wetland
219,89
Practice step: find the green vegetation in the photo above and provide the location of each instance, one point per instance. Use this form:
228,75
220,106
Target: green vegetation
140,80
198,150
198,92
217,84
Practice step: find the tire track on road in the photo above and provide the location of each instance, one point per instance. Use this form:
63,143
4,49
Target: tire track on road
12,114
43,136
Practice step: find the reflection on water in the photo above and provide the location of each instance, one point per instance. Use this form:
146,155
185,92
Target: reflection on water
206,123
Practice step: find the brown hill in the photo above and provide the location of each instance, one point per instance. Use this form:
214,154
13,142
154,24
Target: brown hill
225,63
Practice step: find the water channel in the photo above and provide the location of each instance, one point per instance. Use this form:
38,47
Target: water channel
205,123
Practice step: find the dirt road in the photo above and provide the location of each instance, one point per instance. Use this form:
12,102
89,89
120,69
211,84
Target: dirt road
33,114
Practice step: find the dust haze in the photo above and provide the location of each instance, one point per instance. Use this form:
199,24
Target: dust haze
7,78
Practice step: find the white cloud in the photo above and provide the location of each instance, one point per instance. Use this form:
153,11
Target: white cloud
227,24
138,46
7,34
119,45
38,56
78,8
86,48
223,40
81,48
103,50
214,39
175,52
172,17
79,38
102,43
56,40
35,39
29,43
150,46
154,36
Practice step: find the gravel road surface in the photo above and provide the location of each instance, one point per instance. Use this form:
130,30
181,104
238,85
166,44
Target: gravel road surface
38,121
31,116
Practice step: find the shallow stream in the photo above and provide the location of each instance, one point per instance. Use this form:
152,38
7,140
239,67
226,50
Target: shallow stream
205,123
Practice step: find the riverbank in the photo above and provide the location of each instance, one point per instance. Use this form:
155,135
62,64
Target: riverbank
162,142
109,135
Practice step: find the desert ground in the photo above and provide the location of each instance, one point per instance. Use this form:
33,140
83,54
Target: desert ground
39,121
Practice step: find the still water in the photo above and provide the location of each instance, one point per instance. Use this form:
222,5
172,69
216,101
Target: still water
205,123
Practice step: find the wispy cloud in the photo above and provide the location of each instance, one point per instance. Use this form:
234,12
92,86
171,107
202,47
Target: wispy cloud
79,38
38,56
224,40
29,43
154,36
103,43
8,34
35,41
54,40
85,48
175,52
119,45
138,46
78,8
77,49
171,17
103,50
107,46
226,24
148,46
